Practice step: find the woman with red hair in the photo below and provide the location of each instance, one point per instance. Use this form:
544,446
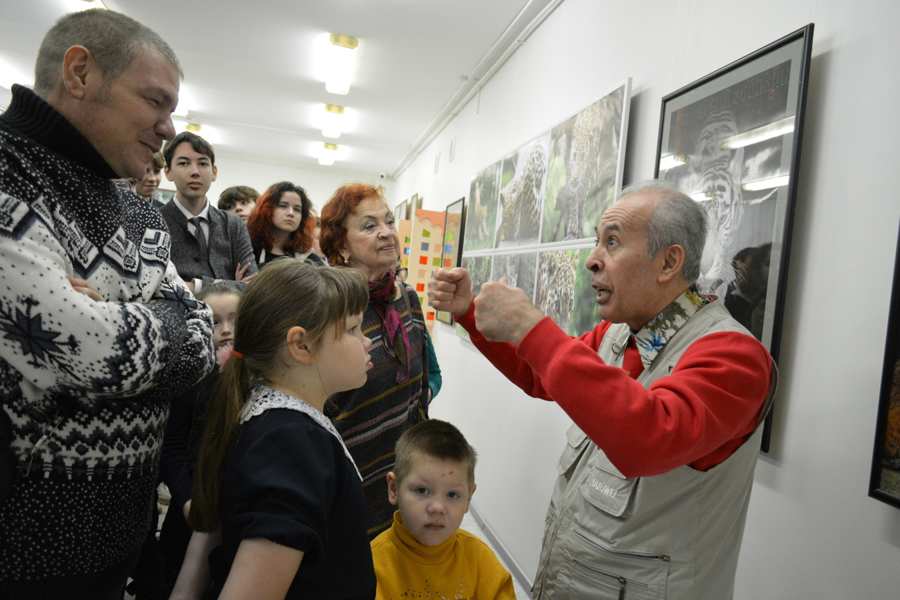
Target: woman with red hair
358,232
278,225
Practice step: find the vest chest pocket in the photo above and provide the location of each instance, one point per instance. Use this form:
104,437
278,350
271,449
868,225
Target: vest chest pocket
606,488
576,443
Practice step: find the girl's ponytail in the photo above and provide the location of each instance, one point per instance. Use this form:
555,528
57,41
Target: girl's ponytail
231,394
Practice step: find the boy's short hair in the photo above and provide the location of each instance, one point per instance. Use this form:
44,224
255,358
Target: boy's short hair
158,161
199,145
436,439
235,194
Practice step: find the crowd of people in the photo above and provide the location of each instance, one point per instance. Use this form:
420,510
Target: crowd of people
272,368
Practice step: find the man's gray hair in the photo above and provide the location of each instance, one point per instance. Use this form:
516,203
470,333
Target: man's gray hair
112,38
678,220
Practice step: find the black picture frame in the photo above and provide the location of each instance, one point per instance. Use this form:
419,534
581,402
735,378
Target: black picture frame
457,229
884,481
712,143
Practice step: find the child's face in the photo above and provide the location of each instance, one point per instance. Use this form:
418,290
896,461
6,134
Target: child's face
343,363
433,497
224,308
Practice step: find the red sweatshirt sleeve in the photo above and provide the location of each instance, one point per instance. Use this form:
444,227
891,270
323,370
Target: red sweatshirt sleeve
698,415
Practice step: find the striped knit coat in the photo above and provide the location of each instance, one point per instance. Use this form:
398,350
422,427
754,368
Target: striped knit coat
372,418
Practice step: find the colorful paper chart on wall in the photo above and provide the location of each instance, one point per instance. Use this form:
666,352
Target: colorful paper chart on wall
426,250
531,215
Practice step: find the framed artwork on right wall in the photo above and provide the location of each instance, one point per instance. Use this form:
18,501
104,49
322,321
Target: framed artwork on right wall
731,141
884,481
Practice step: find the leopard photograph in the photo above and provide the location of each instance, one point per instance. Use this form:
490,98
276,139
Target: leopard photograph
584,169
523,179
519,270
481,218
555,293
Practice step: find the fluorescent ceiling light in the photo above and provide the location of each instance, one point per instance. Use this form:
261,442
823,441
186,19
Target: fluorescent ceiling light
186,101
670,161
340,59
327,154
766,184
760,134
80,5
10,74
333,121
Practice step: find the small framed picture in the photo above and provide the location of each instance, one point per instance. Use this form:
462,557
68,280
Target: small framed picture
402,210
454,225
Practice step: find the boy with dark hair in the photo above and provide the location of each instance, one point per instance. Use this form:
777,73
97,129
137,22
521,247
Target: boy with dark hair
207,243
239,200
424,553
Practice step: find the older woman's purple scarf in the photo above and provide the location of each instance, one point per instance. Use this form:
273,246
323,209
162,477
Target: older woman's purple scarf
381,295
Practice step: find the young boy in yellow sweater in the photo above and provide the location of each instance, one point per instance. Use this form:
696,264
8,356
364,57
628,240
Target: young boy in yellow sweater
424,554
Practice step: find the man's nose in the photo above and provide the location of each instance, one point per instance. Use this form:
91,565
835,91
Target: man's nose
594,262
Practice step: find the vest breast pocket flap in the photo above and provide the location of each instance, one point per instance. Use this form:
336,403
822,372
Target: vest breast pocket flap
576,443
606,488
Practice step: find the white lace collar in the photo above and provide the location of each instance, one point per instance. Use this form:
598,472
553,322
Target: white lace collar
265,398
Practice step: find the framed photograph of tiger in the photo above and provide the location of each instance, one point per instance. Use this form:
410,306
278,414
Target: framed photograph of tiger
454,225
731,141
884,481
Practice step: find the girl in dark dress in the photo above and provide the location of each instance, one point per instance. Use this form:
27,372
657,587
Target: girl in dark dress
278,507
281,225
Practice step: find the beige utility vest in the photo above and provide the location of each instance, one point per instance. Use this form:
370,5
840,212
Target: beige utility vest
672,536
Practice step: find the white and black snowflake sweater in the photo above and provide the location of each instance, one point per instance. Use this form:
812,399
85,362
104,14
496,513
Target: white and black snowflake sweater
109,367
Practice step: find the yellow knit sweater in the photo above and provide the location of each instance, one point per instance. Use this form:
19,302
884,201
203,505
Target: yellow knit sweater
461,568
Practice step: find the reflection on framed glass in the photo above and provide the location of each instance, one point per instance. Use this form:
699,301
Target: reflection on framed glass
884,482
732,142
454,225
165,195
414,203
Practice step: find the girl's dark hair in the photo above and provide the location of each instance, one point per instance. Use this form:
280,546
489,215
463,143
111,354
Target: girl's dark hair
259,225
220,286
285,294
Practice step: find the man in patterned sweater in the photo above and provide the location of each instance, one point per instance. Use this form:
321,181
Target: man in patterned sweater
96,328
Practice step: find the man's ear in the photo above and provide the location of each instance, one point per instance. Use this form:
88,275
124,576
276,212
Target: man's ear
215,172
79,71
392,488
168,174
672,264
297,346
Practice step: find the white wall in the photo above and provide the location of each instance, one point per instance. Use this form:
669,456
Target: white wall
812,533
319,183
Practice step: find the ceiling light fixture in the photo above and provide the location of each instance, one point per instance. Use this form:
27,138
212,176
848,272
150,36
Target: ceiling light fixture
326,158
80,5
333,121
340,57
193,127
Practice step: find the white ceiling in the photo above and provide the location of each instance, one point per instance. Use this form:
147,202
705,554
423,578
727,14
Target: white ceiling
250,76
